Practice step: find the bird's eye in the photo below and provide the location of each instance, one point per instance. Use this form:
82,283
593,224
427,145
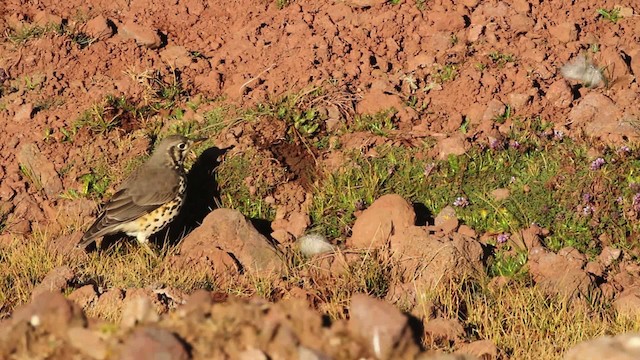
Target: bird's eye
182,146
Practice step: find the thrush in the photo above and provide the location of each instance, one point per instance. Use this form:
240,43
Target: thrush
149,199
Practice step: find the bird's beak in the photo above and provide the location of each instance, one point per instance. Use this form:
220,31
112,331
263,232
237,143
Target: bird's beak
193,142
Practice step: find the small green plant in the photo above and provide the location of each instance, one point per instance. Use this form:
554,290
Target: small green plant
421,4
28,32
480,66
510,265
395,2
281,4
379,124
501,59
612,15
446,73
94,184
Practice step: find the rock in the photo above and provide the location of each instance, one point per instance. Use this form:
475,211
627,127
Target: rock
51,313
454,145
483,349
443,331
522,23
55,281
365,3
500,194
474,32
176,56
600,116
40,169
519,100
111,301
24,113
42,18
619,347
609,255
376,100
98,28
422,60
282,236
431,259
88,342
252,354
143,36
84,296
225,231
150,343
628,302
387,215
495,108
304,353
574,257
559,94
447,219
557,274
564,32
138,308
381,327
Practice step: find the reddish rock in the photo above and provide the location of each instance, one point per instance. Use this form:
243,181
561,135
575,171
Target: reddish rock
150,343
628,302
387,215
443,331
84,296
609,255
176,56
376,100
428,260
599,115
41,170
454,145
49,312
494,109
559,274
55,281
381,327
98,28
619,347
564,32
483,349
224,232
559,94
143,36
88,342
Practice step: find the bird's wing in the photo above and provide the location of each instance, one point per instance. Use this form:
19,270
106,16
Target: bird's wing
134,200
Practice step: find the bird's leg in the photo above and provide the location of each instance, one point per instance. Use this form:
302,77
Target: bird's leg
145,245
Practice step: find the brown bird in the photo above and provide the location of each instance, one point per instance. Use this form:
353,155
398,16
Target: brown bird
149,199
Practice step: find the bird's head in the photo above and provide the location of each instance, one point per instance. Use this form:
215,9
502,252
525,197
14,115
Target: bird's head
176,148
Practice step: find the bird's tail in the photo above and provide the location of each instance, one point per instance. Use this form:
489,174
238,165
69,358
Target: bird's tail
98,229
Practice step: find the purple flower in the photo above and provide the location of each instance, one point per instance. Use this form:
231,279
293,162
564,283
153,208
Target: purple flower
619,200
503,238
512,180
558,134
624,149
586,198
360,204
636,202
597,164
587,210
514,144
461,202
496,144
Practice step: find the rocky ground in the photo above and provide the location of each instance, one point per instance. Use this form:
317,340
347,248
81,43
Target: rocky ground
86,89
